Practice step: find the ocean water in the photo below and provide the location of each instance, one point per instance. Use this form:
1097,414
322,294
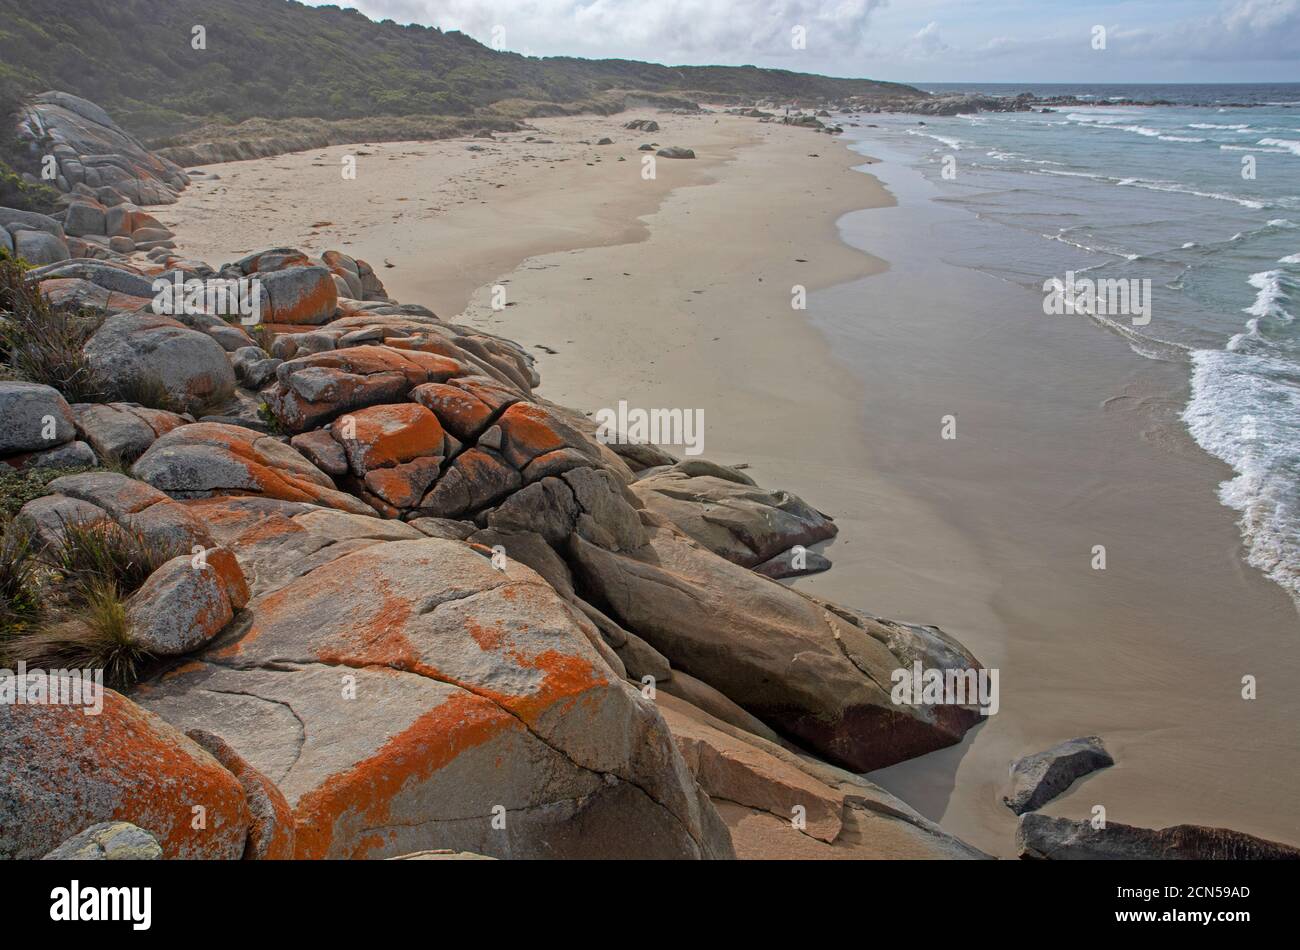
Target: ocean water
1202,201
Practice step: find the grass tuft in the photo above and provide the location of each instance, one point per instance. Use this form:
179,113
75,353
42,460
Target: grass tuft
147,391
95,633
92,553
20,601
44,344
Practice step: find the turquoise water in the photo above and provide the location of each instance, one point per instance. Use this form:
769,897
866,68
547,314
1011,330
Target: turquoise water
1158,194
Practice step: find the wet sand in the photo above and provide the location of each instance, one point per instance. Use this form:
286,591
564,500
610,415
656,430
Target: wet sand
1066,440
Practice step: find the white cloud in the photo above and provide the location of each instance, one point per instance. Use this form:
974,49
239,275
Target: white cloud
926,43
672,31
1026,40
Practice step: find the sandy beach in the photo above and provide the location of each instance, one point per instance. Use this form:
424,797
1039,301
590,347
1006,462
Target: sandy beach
676,292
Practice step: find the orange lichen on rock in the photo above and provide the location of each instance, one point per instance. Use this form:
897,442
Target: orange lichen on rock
461,412
208,458
402,486
222,560
365,792
124,764
529,432
382,436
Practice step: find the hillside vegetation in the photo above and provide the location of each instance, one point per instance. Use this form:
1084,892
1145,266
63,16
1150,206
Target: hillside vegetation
279,59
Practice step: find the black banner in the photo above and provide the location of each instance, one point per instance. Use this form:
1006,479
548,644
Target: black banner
333,899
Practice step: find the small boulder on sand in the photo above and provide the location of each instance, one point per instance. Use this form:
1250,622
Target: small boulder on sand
1037,779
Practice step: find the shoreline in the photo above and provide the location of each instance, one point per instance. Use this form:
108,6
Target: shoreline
1067,439
595,277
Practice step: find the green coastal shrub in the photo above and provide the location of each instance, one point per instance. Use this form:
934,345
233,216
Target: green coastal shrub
16,193
17,488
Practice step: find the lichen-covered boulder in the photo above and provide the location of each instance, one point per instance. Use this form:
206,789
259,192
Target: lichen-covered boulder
123,431
208,458
412,696
38,248
144,349
93,151
62,770
731,516
110,498
270,828
186,602
298,295
314,389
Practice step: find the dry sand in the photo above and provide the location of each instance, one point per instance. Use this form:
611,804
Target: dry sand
676,293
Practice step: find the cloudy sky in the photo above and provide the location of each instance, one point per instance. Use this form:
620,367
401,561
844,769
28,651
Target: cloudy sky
903,40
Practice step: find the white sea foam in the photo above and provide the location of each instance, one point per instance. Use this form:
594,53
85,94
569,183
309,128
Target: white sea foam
1245,410
1213,125
1273,297
1252,148
1184,190
1109,117
952,143
1290,145
1293,259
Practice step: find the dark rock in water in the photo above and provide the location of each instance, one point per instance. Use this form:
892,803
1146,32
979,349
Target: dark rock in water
1037,779
1041,837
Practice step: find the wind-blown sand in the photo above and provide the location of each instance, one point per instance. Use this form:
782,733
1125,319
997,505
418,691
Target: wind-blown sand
676,293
